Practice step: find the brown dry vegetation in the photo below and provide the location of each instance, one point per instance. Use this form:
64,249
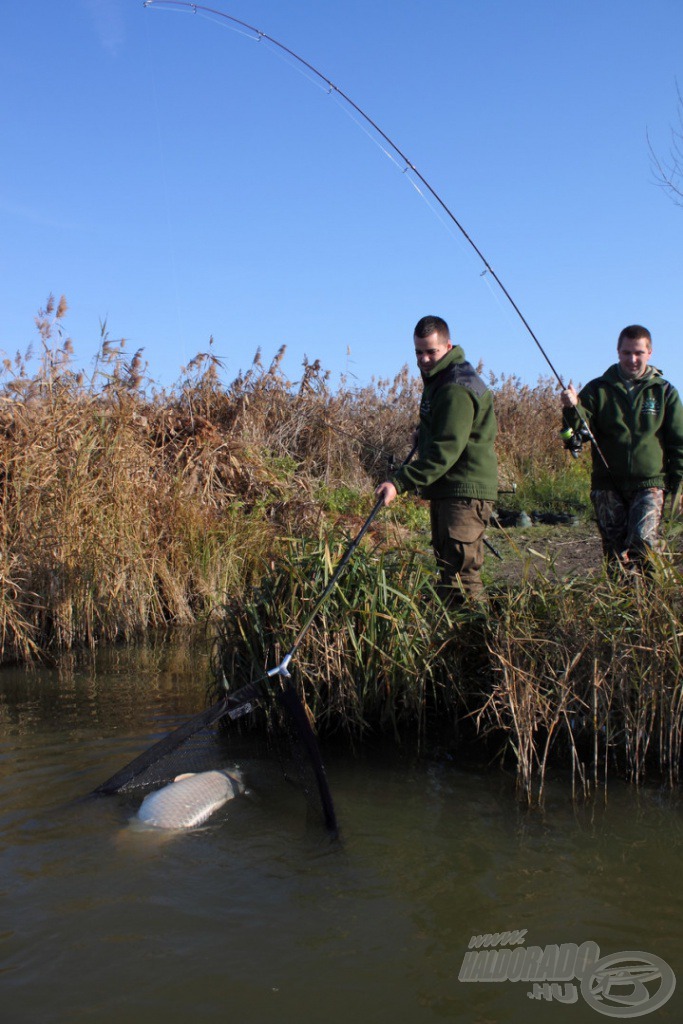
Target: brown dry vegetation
125,507
583,672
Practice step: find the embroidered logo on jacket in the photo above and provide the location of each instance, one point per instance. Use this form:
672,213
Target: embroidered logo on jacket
650,406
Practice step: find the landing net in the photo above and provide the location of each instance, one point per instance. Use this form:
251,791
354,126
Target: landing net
263,717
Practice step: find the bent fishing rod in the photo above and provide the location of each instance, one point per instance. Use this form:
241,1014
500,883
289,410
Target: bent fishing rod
259,35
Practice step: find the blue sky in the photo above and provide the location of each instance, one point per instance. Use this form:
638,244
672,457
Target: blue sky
182,181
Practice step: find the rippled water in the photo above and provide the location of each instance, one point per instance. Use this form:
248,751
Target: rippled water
258,917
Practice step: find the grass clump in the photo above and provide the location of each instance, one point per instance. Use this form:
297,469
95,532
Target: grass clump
588,673
379,657
581,674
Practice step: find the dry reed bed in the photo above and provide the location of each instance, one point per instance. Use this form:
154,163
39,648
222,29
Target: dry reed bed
589,673
124,507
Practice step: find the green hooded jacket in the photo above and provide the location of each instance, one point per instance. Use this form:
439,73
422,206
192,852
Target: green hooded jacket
456,457
639,431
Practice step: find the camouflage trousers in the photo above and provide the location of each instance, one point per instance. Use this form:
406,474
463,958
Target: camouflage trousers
629,524
458,526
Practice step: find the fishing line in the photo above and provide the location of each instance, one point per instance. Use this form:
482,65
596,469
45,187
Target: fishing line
294,64
343,102
409,168
405,170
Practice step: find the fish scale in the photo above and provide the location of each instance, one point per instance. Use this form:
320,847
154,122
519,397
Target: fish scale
190,800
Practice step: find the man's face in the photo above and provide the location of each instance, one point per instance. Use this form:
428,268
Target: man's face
634,357
429,350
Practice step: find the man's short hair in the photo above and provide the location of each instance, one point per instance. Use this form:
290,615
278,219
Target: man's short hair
428,324
634,333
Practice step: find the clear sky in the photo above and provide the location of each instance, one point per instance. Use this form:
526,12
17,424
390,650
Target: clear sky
181,180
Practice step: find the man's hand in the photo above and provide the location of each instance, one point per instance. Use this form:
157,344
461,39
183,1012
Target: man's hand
569,397
387,491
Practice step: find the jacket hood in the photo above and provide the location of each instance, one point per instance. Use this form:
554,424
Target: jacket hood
456,355
612,375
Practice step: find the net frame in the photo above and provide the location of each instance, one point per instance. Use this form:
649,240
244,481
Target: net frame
247,699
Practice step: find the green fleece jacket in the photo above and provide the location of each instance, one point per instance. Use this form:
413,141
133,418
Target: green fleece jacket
456,458
639,430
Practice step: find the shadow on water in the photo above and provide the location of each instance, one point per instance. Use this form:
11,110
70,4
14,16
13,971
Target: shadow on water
257,916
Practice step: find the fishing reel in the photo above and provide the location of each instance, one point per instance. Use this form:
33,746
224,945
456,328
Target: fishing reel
574,441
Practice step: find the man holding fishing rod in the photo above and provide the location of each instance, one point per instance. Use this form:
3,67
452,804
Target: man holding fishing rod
636,418
456,467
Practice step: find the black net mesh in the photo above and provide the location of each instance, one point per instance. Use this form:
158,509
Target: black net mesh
254,721
206,749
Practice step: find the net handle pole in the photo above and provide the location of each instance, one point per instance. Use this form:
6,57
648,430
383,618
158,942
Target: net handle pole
281,669
242,701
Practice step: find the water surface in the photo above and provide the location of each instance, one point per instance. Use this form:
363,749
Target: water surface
258,917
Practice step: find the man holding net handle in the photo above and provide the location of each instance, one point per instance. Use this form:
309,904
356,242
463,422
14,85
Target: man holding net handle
636,417
456,467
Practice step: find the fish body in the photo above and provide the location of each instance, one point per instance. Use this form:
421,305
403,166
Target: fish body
190,799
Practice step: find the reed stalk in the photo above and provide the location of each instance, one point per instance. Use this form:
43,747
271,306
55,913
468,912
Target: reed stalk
581,674
125,507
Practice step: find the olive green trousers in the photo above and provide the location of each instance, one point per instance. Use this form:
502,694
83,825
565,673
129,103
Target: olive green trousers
458,526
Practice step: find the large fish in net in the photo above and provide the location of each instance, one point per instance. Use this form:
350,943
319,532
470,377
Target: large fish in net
207,741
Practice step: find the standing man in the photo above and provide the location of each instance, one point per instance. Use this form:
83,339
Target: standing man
636,418
456,467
